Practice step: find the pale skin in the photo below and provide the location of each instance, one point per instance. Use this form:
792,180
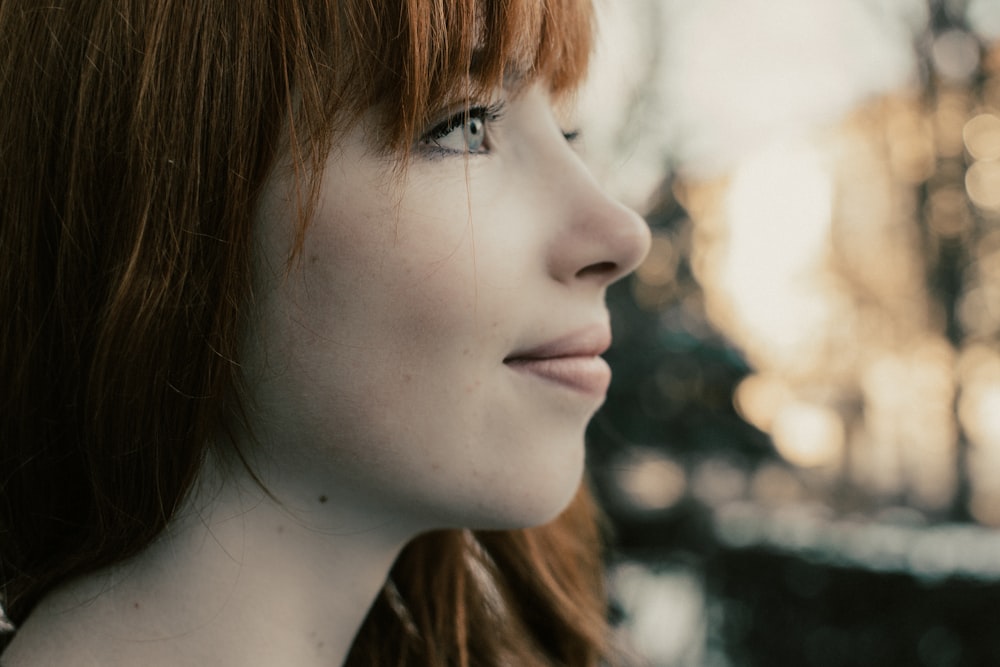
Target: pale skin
388,398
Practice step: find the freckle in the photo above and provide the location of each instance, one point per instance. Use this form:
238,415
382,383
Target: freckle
281,529
135,605
323,499
313,259
407,377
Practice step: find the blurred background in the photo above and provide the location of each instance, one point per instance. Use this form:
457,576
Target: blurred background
800,452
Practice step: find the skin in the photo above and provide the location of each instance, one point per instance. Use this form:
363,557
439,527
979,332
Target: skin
383,400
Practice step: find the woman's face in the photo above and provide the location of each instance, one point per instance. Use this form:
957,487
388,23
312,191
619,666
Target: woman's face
433,354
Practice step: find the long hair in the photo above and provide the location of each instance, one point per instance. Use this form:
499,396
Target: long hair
135,138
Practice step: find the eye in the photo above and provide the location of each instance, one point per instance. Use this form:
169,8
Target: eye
465,133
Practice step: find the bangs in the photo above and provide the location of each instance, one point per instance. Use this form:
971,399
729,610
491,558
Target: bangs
405,59
431,53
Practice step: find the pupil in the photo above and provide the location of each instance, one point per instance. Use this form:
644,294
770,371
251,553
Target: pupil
474,133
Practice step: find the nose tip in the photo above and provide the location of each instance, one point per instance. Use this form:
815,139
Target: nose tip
603,242
625,240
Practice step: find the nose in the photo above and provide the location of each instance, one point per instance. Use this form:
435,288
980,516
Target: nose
600,240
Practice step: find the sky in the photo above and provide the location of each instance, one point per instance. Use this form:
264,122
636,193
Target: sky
703,85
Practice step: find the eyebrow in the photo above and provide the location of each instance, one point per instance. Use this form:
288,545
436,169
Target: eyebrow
514,78
515,74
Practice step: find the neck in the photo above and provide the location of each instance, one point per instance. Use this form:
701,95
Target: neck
237,579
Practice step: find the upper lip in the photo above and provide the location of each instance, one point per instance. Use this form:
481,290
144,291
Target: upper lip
590,341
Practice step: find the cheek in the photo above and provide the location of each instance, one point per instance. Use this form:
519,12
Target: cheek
368,333
383,365
408,278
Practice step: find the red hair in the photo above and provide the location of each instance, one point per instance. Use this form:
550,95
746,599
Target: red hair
136,138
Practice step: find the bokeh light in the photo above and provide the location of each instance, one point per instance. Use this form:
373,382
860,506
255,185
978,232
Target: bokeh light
820,412
648,480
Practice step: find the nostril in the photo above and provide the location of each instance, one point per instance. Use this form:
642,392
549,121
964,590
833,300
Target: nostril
597,269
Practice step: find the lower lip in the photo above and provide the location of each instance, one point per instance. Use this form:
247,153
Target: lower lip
587,375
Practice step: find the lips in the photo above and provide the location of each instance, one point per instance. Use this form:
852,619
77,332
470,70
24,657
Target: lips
572,361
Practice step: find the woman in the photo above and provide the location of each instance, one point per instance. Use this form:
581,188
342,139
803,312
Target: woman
300,293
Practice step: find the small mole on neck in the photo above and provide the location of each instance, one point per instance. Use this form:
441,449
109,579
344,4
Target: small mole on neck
322,499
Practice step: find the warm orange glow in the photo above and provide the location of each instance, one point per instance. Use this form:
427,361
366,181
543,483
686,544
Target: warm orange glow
982,182
760,397
910,140
908,444
660,266
655,280
809,435
854,264
979,412
949,119
650,480
982,136
770,269
774,485
814,266
718,481
948,211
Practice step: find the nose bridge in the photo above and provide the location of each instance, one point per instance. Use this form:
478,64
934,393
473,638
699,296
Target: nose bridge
600,240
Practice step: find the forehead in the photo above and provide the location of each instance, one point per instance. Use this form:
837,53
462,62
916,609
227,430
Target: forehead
406,60
519,42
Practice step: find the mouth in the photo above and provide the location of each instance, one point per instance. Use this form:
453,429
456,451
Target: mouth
572,361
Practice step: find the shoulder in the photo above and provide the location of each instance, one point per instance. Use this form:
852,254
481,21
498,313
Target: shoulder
31,648
46,641
62,630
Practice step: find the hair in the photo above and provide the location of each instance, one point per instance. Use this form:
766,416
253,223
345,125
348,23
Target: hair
135,139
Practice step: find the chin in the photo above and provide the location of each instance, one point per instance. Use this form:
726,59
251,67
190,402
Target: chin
531,500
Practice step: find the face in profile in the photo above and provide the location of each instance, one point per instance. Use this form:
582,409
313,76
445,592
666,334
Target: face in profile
432,355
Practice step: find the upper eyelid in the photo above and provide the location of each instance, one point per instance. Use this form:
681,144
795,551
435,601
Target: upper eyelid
491,111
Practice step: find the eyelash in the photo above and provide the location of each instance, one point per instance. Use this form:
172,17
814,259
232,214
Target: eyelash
486,114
